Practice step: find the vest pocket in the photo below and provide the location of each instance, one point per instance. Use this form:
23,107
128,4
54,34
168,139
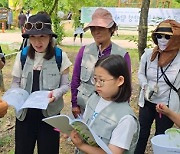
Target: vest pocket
84,92
26,76
86,73
51,79
104,122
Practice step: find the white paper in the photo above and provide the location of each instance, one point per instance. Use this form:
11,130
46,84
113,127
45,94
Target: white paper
20,99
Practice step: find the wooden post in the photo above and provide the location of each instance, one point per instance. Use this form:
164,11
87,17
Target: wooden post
3,26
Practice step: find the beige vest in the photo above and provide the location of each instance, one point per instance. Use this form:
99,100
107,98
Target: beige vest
90,57
49,79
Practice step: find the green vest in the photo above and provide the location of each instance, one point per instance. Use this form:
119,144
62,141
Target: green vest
109,118
90,57
49,79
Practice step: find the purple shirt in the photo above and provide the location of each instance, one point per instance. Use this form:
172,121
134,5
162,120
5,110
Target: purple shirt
75,83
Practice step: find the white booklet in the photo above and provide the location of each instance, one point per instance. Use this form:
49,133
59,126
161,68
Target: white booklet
20,99
65,124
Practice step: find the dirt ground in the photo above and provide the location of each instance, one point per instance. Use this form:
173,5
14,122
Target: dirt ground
7,123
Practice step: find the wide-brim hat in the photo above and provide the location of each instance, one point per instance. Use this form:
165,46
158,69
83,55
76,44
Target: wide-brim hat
164,28
102,18
47,27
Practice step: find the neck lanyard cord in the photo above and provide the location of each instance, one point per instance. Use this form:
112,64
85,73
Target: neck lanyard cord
158,77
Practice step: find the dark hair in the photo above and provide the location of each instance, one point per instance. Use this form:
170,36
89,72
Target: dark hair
117,66
112,29
49,51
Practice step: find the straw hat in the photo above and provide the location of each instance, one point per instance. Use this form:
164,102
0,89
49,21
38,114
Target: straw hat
164,28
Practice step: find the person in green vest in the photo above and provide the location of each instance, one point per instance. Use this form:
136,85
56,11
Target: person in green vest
102,28
40,72
108,112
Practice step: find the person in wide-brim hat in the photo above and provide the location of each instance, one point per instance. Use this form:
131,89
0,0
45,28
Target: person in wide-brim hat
159,79
102,18
102,28
171,28
46,28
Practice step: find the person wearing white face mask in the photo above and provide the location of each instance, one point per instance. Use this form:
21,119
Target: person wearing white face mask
159,78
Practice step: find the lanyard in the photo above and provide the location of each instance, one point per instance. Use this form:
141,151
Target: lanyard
158,77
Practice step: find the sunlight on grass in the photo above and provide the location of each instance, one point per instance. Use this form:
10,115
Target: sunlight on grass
11,152
4,140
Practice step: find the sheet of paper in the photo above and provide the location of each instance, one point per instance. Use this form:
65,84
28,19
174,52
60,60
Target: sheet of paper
37,99
20,99
15,97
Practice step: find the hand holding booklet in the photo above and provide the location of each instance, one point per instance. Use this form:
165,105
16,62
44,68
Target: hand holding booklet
65,124
21,99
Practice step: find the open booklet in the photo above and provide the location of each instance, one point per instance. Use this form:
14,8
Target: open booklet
65,124
21,99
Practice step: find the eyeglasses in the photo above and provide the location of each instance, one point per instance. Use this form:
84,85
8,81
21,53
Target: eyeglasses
100,82
160,36
38,25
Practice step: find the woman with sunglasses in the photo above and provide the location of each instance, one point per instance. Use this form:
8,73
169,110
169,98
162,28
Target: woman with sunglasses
40,72
159,71
102,28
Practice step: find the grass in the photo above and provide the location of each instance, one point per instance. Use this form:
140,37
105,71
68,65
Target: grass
5,48
5,140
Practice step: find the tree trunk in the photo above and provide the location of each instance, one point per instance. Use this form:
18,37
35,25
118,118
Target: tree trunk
143,27
1,82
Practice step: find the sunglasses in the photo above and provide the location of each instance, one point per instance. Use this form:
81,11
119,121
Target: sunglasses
160,36
38,25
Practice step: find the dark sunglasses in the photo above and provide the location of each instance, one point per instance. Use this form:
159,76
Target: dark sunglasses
38,25
160,36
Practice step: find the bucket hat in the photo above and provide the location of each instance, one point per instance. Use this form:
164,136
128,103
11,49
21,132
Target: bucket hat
102,18
39,24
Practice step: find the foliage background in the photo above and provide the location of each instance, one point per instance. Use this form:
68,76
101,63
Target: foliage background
53,6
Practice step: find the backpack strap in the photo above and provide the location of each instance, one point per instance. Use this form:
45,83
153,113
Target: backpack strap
23,56
57,52
58,56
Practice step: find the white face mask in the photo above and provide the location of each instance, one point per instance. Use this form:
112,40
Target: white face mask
162,43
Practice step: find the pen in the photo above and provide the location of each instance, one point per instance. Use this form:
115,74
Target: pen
160,115
57,130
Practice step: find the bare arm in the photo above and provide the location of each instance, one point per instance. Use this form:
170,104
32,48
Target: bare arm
175,117
91,149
